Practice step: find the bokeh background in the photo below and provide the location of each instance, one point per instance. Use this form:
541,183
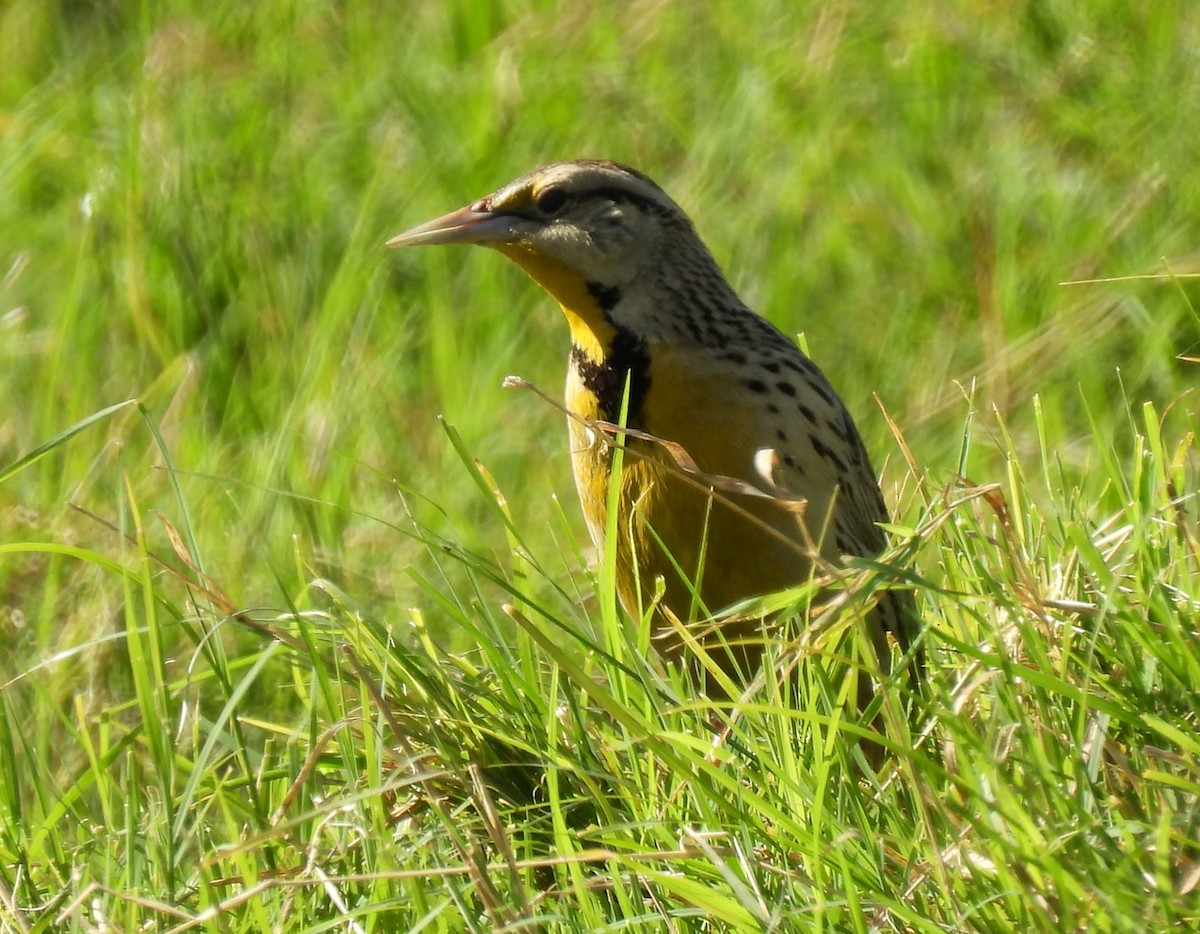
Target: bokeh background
194,199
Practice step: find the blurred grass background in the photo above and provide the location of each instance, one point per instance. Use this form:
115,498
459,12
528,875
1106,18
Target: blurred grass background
194,201
194,198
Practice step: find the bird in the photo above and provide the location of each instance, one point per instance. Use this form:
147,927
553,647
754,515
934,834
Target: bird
729,425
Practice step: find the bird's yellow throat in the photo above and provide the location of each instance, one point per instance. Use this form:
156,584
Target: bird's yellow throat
591,330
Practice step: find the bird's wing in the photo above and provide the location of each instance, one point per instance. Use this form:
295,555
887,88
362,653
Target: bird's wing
723,407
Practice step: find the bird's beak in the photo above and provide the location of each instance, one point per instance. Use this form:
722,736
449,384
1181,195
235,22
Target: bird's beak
472,224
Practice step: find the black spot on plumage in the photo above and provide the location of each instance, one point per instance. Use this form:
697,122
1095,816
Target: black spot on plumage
823,450
626,360
808,414
755,385
786,388
821,388
606,296
858,451
799,363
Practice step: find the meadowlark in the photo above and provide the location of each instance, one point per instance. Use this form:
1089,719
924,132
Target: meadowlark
660,338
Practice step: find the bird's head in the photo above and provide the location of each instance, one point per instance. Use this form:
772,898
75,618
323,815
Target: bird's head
601,221
589,232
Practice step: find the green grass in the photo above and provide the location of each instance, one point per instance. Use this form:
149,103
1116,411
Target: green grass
257,670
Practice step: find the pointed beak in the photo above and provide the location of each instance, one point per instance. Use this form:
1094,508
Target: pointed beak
472,224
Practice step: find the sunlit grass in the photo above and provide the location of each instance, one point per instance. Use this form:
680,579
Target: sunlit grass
281,646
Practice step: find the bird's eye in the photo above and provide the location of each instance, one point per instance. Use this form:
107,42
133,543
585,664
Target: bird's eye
551,201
